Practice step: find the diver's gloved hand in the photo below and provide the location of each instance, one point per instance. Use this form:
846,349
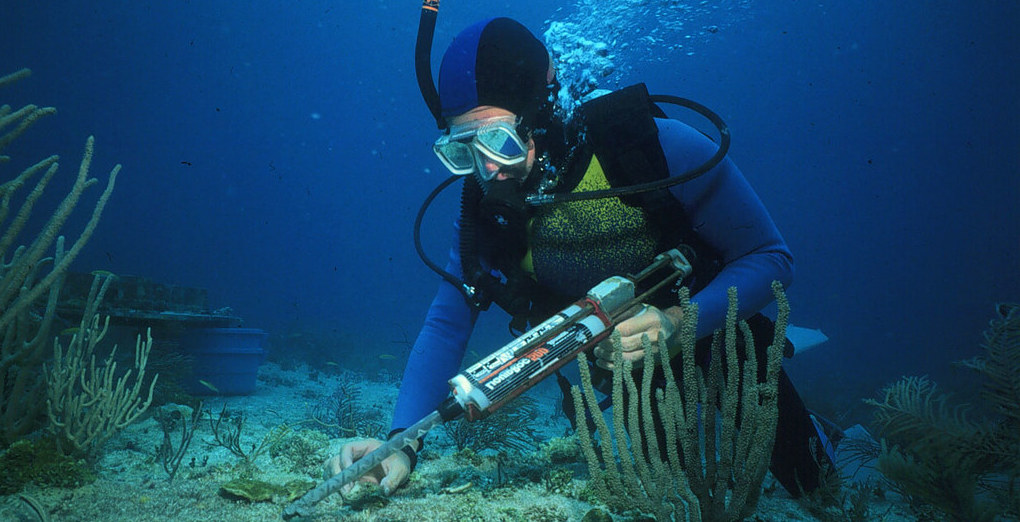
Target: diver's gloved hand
389,475
649,320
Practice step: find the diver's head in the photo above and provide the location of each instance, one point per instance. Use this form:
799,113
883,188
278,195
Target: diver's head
494,89
496,62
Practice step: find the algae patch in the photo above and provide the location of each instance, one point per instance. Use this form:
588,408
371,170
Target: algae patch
261,491
40,462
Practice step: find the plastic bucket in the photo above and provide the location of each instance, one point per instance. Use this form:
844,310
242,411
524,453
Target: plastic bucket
225,360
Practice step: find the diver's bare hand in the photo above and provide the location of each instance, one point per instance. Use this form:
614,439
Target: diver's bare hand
389,475
651,321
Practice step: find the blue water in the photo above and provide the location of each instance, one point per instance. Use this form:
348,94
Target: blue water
276,153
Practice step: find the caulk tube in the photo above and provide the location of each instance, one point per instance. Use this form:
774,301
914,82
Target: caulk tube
467,387
305,505
510,371
482,390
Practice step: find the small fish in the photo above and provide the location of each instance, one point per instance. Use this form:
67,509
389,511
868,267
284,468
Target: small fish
387,357
209,385
331,363
70,331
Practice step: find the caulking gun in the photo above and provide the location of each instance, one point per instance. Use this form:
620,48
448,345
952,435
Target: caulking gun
513,369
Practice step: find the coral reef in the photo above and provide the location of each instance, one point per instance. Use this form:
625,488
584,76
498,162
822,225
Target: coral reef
699,472
562,450
30,280
934,452
302,452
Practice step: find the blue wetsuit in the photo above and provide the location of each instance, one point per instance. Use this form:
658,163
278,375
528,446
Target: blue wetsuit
573,246
722,210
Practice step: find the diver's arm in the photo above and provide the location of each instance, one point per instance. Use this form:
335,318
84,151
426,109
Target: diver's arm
727,214
438,350
434,359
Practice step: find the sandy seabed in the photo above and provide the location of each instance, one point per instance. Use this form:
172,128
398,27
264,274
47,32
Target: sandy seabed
132,484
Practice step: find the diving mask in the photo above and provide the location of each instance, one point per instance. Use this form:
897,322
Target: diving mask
465,148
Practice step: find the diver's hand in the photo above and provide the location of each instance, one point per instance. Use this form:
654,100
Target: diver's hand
389,475
649,320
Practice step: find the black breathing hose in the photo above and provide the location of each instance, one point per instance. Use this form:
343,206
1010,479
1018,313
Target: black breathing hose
452,279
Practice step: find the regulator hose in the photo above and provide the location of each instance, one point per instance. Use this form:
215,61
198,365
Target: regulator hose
470,196
720,153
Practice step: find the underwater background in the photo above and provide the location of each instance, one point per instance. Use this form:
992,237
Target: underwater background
276,153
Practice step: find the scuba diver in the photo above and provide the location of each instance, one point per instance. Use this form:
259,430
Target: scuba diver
504,136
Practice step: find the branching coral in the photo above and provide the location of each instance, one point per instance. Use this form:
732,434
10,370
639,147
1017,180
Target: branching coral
226,431
171,453
1001,363
696,471
87,404
507,429
30,281
342,413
